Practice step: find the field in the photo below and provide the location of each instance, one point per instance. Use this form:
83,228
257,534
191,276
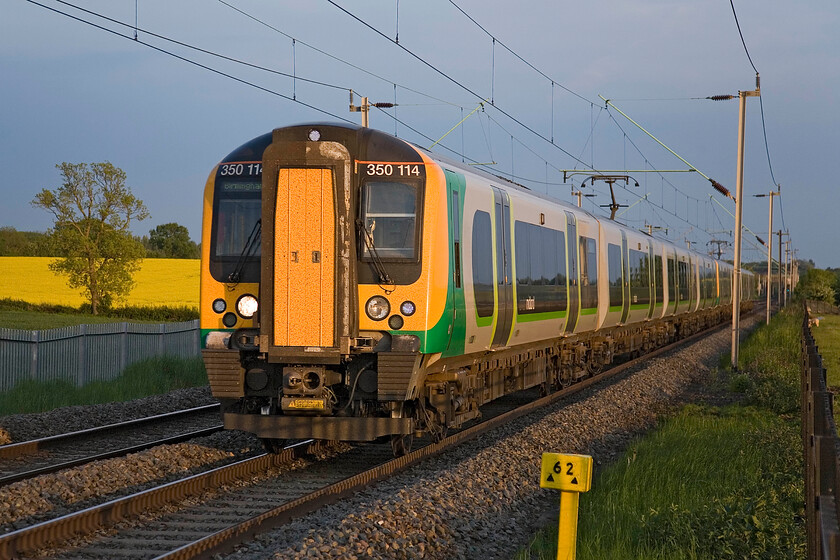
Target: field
710,482
167,282
827,337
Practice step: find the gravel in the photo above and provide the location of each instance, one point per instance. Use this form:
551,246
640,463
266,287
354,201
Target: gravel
483,499
23,427
44,497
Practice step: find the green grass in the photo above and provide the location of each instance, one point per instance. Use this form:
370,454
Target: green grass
827,336
709,483
34,321
148,377
17,314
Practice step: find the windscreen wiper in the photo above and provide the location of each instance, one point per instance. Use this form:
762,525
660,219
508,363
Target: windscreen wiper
250,246
384,278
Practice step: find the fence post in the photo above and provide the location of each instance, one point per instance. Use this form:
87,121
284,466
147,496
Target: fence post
33,356
124,346
161,339
81,373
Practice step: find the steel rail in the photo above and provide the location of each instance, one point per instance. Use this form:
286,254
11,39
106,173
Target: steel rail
5,480
14,450
89,520
224,541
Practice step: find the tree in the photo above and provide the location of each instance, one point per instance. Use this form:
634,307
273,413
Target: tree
93,209
817,284
172,241
14,243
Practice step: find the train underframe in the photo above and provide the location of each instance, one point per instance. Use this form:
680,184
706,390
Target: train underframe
378,392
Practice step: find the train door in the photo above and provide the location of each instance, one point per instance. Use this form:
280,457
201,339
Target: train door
625,266
304,264
457,330
572,252
504,271
653,280
692,284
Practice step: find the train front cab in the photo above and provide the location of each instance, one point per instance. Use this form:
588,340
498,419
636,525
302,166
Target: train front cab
353,288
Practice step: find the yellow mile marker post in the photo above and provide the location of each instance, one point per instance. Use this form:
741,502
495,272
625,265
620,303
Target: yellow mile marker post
571,474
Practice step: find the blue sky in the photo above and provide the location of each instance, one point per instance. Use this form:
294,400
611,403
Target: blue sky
71,92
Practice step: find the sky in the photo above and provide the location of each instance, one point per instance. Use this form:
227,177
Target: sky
72,92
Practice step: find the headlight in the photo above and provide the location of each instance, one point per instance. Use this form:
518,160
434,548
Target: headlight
408,308
377,308
219,305
247,306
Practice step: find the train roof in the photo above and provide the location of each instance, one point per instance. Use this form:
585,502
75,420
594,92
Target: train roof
254,148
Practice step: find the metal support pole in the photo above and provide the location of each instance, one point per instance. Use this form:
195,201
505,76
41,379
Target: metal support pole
739,208
787,268
770,253
365,113
780,269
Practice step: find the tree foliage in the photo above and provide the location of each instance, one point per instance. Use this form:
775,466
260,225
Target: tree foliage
171,240
93,209
818,284
14,243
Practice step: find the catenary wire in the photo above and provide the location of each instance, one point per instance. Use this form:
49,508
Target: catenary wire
453,80
189,61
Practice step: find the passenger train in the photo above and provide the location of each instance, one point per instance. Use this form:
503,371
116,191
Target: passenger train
357,287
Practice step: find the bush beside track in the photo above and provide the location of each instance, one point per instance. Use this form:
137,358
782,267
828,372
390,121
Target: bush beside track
710,482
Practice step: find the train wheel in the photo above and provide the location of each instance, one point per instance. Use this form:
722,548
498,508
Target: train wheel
401,444
594,369
273,445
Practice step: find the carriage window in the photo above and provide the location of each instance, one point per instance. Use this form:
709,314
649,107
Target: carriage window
482,264
639,277
616,275
540,268
657,274
389,212
588,273
682,271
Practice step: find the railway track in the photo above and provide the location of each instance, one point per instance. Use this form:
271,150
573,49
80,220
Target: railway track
28,459
235,502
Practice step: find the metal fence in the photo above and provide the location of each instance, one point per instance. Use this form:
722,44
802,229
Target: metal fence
821,444
85,353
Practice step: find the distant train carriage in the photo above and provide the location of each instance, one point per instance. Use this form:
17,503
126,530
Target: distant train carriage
357,287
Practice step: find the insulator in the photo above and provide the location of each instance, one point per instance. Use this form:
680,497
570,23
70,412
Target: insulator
760,240
384,105
721,189
721,97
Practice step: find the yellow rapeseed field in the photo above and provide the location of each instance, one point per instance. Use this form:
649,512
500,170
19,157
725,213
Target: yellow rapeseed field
171,282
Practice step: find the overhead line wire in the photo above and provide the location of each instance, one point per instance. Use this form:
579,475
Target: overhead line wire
761,106
453,80
332,56
199,49
511,51
189,61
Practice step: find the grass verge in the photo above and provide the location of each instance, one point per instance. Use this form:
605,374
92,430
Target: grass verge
18,314
827,336
708,482
149,377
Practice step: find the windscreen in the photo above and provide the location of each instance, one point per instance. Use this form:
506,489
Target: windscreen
390,217
237,207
